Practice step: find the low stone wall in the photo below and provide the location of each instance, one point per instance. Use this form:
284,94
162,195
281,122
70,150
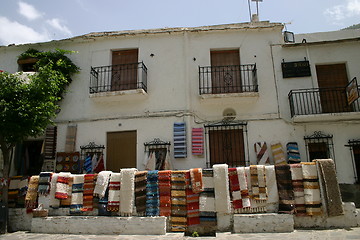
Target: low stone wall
19,220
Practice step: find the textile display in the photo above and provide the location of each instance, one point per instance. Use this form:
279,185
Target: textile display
278,153
102,206
207,209
150,161
99,166
140,192
165,192
152,194
285,189
62,185
88,164
94,161
243,183
67,202
114,192
197,141
77,194
31,195
196,180
311,189
44,183
13,191
221,188
70,138
293,154
167,163
88,192
127,191
180,146
258,183
53,202
330,186
298,186
272,204
178,219
235,189
23,186
192,203
262,154
102,183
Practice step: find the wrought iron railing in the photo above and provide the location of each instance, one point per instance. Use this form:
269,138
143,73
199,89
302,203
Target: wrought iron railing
319,101
228,79
118,77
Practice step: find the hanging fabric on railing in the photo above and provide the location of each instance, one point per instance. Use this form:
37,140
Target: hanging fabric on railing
180,140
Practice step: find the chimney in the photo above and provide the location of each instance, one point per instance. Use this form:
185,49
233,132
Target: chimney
255,18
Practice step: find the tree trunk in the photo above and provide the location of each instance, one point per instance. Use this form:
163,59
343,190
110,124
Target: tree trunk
4,205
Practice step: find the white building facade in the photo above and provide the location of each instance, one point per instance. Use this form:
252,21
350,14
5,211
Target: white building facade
145,89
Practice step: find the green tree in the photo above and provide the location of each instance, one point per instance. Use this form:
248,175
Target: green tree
28,104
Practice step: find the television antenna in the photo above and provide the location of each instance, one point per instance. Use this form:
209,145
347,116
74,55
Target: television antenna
257,7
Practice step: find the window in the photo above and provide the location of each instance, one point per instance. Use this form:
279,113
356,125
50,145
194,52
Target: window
124,72
354,145
319,146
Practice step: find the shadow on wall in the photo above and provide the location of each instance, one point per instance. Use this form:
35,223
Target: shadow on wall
350,193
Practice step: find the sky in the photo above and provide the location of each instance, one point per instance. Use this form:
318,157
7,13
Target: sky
29,21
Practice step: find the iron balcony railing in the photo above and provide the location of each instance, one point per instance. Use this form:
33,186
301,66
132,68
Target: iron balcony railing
228,79
118,77
319,101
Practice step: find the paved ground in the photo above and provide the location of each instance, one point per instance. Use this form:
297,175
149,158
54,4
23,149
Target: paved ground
335,234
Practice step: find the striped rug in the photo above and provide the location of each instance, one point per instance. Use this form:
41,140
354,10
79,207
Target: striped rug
262,154
77,194
140,192
114,193
192,203
152,194
298,186
165,192
207,209
311,189
285,189
178,219
88,192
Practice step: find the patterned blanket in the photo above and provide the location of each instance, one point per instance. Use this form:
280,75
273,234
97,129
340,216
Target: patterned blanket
140,192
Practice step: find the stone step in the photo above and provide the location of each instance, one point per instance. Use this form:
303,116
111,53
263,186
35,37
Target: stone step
261,223
100,225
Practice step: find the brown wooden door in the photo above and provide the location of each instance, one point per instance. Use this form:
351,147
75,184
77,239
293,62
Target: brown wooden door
227,146
121,150
225,71
332,80
124,69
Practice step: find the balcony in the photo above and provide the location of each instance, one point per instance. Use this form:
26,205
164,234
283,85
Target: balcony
235,80
118,79
322,101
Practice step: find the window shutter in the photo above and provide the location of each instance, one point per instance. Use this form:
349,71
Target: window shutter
198,141
180,140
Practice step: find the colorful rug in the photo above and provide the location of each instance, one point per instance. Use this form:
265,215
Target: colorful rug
44,183
88,192
262,154
102,183
127,191
293,154
13,191
67,201
272,204
285,189
192,203
31,195
221,189
114,193
152,194
330,186
53,202
178,219
140,192
197,141
235,189
62,185
88,164
99,166
278,153
298,186
207,209
77,194
311,189
23,186
196,180
165,192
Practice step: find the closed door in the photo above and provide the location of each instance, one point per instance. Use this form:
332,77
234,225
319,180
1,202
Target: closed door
121,150
332,80
225,71
124,69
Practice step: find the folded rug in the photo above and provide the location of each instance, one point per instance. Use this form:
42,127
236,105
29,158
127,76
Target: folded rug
196,180
53,202
13,191
207,209
311,189
165,192
285,189
221,188
178,220
102,183
140,192
152,194
278,153
245,197
23,185
114,193
330,186
235,189
77,194
62,185
67,202
99,166
293,153
88,192
127,191
272,204
31,195
44,183
298,186
192,203
262,154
